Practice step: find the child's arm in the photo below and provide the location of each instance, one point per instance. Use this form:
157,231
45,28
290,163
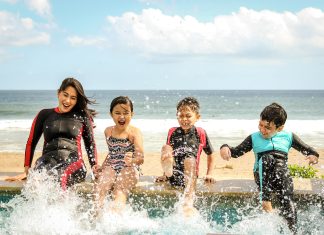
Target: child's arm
211,160
137,158
227,152
299,145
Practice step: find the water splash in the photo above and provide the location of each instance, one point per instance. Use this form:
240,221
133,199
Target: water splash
43,208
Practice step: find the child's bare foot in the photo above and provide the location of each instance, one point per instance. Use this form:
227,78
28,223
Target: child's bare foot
160,179
167,160
189,210
116,208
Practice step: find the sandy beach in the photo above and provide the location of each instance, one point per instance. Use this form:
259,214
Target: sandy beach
239,168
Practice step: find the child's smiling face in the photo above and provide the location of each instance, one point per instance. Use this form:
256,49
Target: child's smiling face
122,115
268,129
187,117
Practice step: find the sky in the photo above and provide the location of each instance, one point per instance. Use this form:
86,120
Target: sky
170,44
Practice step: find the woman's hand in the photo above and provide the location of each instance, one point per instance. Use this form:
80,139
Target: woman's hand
19,177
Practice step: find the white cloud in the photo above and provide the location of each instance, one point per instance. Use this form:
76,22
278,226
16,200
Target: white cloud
246,32
10,1
89,41
42,7
16,31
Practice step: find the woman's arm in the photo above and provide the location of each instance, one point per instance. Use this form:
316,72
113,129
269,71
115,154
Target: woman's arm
35,133
89,141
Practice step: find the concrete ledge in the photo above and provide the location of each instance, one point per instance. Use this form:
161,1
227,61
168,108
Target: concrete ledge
311,187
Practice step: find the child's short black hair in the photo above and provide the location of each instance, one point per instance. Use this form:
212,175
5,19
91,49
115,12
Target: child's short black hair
121,100
191,102
274,113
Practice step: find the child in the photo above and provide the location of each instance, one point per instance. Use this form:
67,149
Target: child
180,155
120,170
270,146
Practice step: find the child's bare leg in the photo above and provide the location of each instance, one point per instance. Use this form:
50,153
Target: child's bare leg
167,160
102,186
190,186
126,180
267,206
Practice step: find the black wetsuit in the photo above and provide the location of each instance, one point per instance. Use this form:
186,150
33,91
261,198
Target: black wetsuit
186,145
271,156
62,144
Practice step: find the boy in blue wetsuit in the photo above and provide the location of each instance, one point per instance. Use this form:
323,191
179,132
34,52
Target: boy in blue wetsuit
270,146
180,155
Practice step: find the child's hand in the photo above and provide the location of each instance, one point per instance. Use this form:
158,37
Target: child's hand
312,159
209,179
128,159
225,153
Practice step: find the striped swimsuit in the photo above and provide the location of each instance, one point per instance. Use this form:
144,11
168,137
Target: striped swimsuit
116,152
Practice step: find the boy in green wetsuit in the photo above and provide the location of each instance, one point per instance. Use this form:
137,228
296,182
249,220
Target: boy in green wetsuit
270,146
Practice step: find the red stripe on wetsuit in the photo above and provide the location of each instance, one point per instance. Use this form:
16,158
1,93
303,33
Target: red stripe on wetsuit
28,151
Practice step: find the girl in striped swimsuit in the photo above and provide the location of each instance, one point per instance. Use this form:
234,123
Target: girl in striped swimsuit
120,170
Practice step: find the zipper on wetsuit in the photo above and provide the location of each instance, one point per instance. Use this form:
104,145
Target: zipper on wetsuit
273,148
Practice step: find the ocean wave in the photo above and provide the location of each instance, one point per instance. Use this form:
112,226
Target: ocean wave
224,127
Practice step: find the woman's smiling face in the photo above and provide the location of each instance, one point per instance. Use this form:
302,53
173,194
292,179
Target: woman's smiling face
67,99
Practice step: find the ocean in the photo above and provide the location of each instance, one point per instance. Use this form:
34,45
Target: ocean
228,116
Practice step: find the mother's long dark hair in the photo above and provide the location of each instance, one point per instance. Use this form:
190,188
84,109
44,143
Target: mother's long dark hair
82,99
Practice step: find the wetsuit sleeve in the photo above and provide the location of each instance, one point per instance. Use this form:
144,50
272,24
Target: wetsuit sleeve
209,148
242,148
300,146
89,142
36,132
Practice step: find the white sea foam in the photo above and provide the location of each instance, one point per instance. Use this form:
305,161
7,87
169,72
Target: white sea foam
14,133
224,127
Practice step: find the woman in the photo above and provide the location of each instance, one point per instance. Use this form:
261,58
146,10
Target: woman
63,128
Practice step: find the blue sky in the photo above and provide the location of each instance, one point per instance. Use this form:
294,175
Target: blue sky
230,44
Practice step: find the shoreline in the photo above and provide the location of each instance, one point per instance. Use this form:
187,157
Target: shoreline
236,168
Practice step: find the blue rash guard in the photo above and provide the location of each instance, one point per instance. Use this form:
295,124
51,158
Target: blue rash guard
281,142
